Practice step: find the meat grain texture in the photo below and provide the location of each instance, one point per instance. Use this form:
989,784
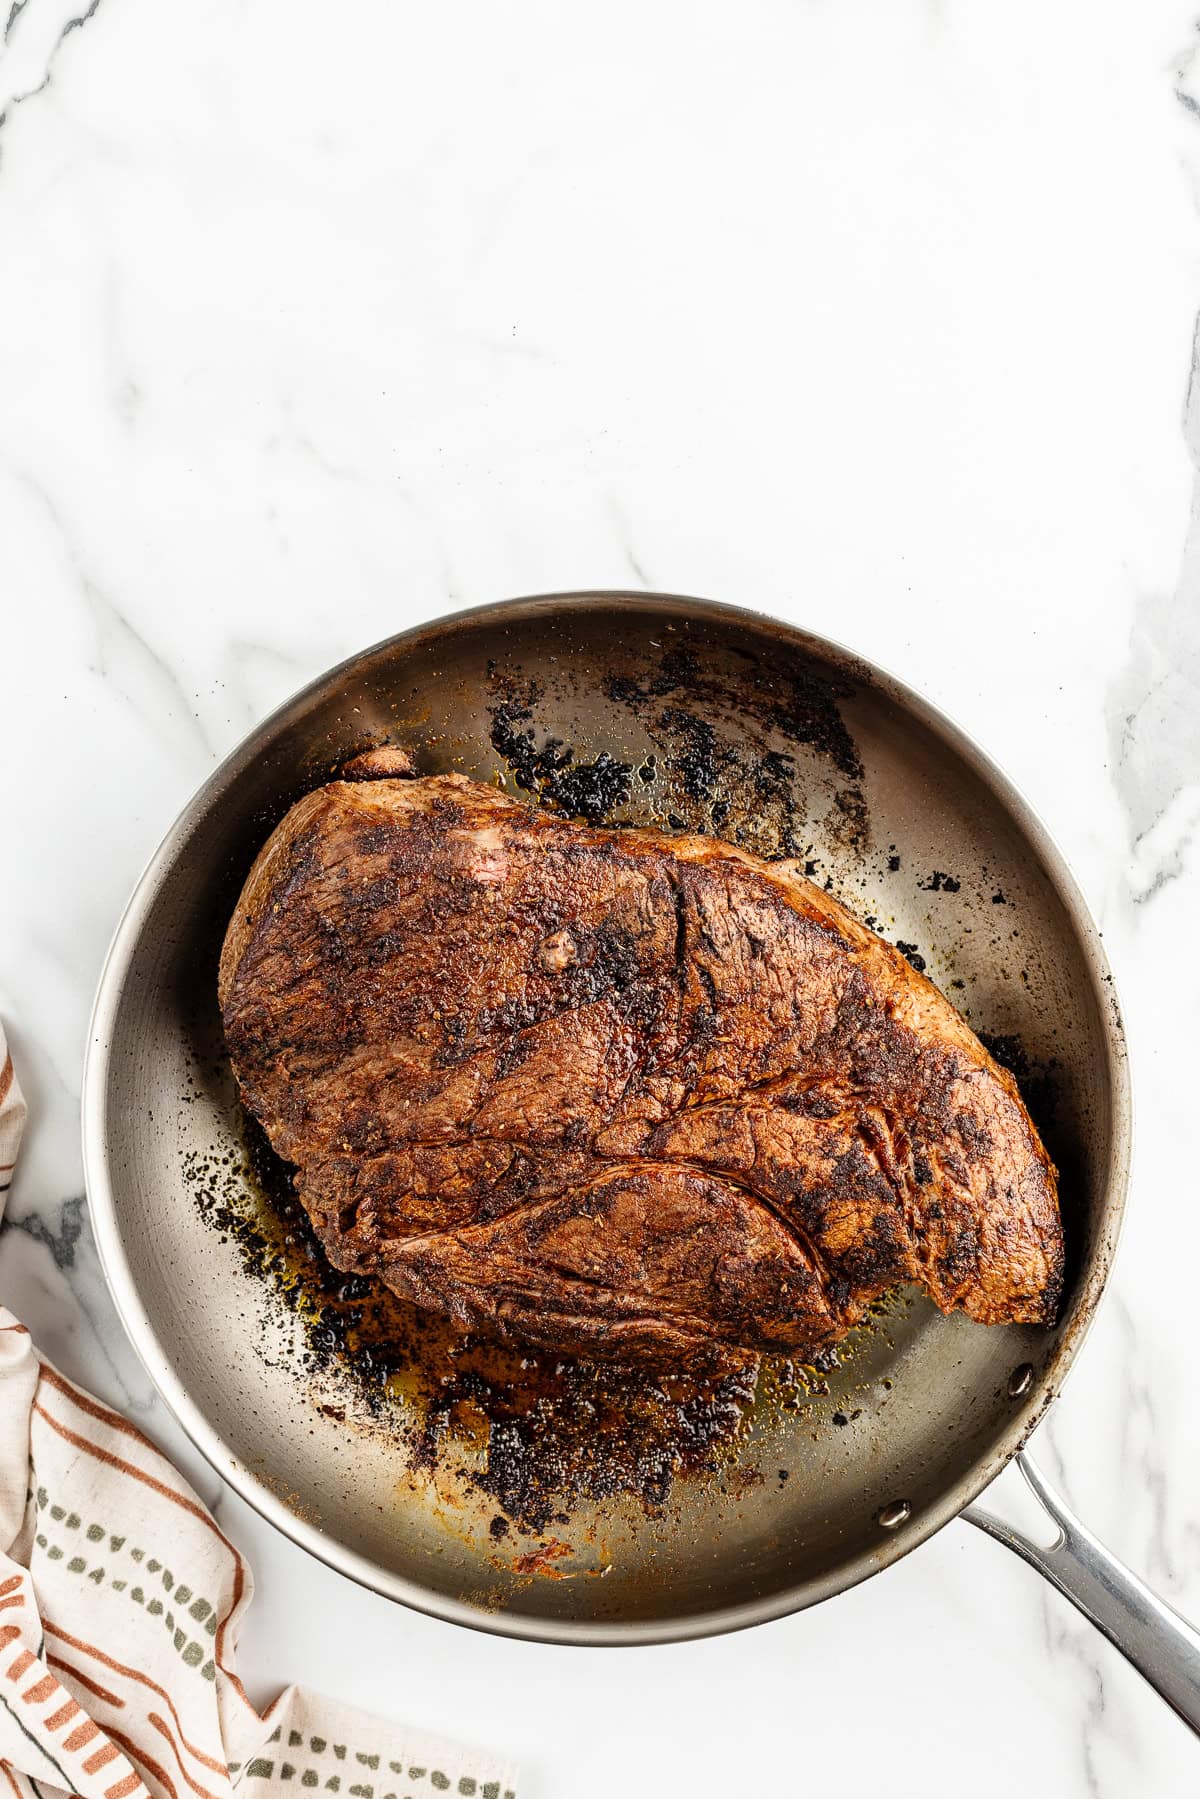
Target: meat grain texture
613,1092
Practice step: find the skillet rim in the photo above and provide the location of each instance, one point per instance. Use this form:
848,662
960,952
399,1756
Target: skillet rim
781,1601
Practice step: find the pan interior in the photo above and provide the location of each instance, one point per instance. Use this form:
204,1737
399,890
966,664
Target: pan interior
741,728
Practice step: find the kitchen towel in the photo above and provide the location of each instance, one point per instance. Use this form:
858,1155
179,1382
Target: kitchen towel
120,1605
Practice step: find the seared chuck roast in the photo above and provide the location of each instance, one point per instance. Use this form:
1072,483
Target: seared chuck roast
615,1092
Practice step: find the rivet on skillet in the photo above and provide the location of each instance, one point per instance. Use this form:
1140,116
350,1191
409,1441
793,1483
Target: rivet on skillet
1020,1380
890,1517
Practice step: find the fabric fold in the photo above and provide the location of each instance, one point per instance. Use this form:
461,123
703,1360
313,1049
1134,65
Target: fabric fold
121,1600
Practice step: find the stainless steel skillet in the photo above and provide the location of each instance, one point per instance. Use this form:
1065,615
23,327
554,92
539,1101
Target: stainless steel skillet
651,708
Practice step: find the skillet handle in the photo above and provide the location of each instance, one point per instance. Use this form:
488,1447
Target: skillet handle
1162,1646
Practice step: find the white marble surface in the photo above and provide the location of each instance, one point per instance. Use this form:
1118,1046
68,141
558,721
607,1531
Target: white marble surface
314,323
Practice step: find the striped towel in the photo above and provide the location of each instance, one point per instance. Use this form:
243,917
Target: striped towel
120,1606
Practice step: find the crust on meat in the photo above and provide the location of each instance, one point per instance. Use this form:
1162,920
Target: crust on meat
461,1017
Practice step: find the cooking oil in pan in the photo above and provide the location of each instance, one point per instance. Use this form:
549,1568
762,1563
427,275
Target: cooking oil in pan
536,1438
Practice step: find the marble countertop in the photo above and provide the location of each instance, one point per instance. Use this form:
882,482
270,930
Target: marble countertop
879,317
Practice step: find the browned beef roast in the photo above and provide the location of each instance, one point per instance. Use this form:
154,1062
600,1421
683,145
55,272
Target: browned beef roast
617,1092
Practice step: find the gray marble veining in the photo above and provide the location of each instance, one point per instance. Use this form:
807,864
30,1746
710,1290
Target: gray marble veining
877,317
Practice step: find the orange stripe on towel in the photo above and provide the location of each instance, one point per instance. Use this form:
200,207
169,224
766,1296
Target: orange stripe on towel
56,1630
40,1690
122,1788
56,1661
177,1498
64,1714
107,1752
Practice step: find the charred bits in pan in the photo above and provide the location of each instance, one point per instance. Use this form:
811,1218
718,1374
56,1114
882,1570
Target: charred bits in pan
724,761
539,1435
587,790
718,766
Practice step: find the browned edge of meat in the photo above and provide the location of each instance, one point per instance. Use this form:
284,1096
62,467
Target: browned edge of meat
617,1091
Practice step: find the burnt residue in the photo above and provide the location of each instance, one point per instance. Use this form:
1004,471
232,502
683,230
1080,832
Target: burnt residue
591,790
250,1201
760,756
559,1433
548,770
809,712
794,700
699,760
848,821
679,668
539,1435
728,748
912,955
938,882
1039,1081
